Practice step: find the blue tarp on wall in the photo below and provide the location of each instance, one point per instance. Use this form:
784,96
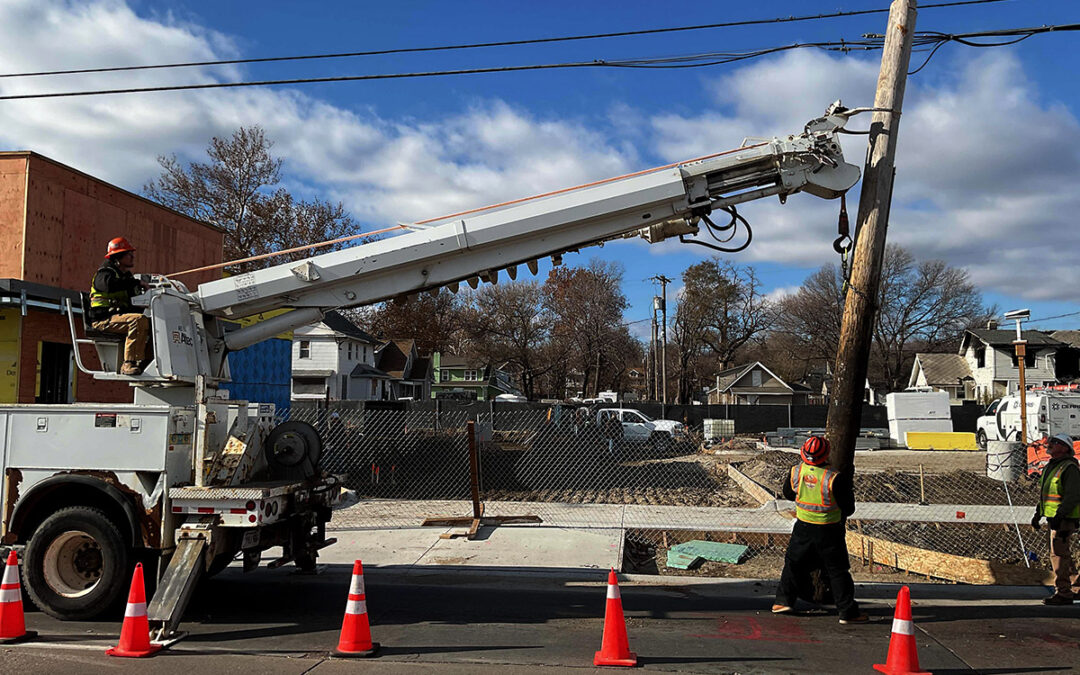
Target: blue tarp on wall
261,372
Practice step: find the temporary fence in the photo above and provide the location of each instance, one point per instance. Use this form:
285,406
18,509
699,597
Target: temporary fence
930,513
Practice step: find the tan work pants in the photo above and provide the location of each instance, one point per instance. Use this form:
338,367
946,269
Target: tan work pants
135,326
1066,578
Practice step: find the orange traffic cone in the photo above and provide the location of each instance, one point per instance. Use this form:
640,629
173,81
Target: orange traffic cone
903,657
355,629
12,622
615,649
135,632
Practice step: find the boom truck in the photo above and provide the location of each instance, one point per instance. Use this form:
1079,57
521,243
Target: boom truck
186,480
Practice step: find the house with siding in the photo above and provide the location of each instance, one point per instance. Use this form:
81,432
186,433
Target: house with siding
465,377
754,384
410,372
986,365
335,360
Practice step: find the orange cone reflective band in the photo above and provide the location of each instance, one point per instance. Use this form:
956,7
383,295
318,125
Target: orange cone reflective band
12,621
355,629
903,658
615,649
135,632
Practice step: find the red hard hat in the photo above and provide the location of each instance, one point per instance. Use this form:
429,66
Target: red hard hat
119,245
815,450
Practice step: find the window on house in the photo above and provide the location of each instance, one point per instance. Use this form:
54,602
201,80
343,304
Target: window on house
470,376
444,375
309,385
1029,361
349,351
344,387
980,357
755,378
305,349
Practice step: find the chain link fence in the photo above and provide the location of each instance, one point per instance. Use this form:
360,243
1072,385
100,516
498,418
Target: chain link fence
584,467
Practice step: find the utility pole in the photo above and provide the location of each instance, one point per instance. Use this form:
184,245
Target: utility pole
845,406
654,378
664,281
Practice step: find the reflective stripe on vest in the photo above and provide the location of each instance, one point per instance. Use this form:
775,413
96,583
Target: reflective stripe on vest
813,486
1050,487
101,300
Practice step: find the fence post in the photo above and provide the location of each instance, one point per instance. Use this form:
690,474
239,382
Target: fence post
474,468
789,415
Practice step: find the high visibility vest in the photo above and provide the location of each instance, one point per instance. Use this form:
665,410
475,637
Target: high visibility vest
1050,487
814,501
114,302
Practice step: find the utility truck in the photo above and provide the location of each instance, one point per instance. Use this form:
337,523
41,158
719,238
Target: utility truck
186,479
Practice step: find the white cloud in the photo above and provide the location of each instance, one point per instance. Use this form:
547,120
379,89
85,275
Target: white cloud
986,169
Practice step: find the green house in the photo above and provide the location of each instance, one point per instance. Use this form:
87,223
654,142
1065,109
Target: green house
468,379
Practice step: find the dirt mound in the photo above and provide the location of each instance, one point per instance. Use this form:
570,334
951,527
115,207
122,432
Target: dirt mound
769,469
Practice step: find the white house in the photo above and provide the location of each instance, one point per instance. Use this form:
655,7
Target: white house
335,360
986,366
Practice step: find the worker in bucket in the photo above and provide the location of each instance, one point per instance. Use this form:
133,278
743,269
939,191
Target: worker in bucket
111,310
1059,503
824,499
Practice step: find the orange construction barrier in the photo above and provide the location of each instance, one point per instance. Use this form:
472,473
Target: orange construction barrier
615,649
355,629
135,631
12,621
903,656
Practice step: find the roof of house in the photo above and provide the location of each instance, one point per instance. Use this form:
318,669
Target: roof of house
943,369
364,370
455,361
998,337
1070,337
336,322
392,359
726,379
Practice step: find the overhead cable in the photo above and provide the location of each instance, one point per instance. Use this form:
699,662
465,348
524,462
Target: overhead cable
688,61
501,43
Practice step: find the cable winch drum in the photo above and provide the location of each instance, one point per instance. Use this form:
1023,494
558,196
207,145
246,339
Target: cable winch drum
1004,460
293,451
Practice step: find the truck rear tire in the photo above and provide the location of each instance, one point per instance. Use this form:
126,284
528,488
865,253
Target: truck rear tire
76,564
980,439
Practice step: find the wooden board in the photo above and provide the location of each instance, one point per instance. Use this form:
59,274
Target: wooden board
942,565
752,488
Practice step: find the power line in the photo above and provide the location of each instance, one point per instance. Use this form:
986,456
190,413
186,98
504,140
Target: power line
502,43
689,61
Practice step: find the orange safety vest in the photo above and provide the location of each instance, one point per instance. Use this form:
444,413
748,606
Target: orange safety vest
813,487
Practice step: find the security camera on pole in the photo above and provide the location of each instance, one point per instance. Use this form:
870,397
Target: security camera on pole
1020,345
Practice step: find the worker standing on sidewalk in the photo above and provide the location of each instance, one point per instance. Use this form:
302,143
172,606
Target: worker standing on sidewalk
1059,503
823,501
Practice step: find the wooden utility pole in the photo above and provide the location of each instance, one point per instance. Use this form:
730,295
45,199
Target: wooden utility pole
860,304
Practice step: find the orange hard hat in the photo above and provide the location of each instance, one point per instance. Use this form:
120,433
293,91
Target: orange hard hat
815,450
119,245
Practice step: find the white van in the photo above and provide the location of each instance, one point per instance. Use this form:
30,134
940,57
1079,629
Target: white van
1050,410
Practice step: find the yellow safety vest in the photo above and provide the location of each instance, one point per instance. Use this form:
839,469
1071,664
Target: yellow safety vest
1050,487
814,502
115,301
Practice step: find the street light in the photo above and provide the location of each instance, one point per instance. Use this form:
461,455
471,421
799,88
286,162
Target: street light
1020,345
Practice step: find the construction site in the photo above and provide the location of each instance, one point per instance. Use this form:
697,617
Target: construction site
243,394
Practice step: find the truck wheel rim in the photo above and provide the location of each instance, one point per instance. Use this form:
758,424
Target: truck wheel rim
73,564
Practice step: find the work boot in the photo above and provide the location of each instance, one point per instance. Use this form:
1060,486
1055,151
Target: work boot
862,618
1057,599
131,368
782,609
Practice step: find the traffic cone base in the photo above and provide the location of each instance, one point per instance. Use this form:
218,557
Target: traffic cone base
12,620
903,658
135,631
355,640
614,649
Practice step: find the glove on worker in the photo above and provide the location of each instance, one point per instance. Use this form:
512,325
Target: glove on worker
1035,521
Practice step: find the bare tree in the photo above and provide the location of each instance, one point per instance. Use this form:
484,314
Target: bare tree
922,306
507,324
587,307
437,322
725,303
238,190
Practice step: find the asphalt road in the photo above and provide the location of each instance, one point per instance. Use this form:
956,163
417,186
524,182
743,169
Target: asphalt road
458,620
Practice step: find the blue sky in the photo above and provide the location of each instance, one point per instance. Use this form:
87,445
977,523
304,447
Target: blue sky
986,171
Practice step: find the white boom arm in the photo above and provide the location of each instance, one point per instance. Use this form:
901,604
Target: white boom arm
655,204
